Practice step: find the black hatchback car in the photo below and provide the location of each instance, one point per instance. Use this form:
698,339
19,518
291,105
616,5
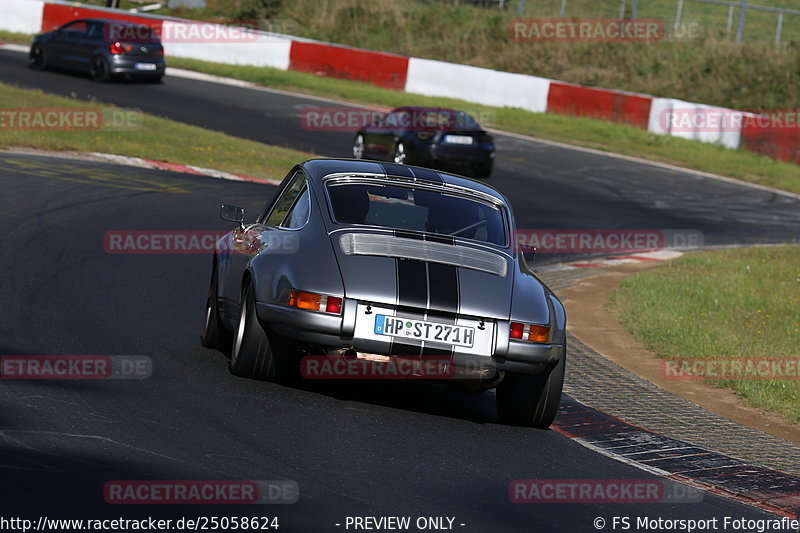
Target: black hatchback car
103,48
440,138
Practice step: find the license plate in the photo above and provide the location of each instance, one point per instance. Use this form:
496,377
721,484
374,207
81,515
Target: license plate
425,331
458,139
145,66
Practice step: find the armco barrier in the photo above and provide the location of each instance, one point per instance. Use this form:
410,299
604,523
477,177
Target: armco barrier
479,85
660,122
782,143
265,50
377,68
22,17
604,104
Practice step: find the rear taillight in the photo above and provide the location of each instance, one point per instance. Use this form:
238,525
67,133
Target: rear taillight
117,48
529,332
315,302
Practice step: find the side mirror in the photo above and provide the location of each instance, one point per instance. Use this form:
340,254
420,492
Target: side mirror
232,213
528,252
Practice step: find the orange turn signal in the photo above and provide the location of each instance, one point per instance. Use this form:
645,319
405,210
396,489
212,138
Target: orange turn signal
539,334
315,302
529,332
304,300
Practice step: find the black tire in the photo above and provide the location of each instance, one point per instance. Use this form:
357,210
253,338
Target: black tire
100,71
400,155
37,59
358,146
531,400
256,353
215,335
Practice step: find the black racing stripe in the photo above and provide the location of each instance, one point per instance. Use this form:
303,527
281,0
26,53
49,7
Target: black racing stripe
443,280
407,234
437,352
412,294
405,350
412,284
393,169
444,296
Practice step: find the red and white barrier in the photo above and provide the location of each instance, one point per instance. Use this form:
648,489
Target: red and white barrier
780,142
663,116
479,85
697,122
225,44
603,104
325,59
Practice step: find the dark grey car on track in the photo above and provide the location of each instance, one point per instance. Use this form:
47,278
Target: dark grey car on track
434,137
104,49
378,261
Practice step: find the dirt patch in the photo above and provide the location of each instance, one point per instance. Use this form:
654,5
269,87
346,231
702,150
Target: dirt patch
590,319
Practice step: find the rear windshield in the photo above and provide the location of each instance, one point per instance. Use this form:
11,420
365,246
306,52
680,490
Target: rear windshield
127,32
407,208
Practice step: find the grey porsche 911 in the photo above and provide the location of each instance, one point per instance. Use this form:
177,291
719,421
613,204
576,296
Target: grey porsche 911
364,260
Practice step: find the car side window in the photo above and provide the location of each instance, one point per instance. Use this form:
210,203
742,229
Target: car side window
75,30
298,214
286,200
95,31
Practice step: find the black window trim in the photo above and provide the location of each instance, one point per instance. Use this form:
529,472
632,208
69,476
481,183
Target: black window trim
265,214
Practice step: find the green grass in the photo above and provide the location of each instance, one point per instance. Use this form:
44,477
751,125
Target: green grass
14,37
722,304
154,138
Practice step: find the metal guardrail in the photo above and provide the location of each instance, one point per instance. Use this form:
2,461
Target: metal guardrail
630,9
743,6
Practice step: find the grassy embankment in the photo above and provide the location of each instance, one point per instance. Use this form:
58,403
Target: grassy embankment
729,304
145,136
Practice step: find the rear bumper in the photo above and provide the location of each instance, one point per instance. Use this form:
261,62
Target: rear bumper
128,65
337,332
455,158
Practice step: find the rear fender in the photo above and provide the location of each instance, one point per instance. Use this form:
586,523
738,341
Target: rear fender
299,259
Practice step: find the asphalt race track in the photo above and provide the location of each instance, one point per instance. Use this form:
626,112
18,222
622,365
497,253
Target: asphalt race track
550,187
371,450
405,449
